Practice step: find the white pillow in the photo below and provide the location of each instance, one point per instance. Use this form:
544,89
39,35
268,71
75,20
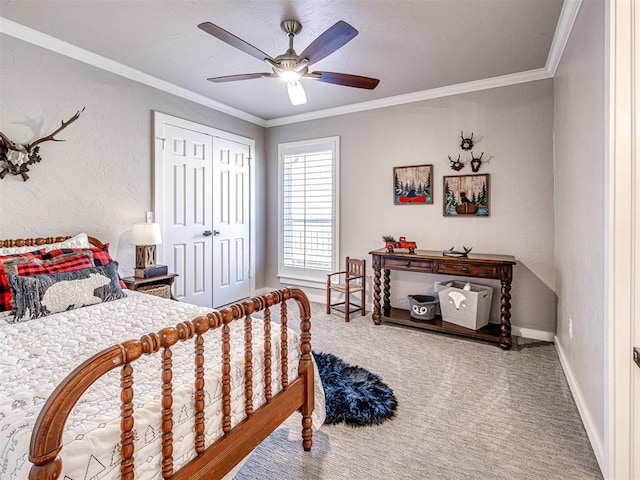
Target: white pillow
79,241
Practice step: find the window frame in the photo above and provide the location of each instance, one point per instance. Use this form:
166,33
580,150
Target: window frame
301,276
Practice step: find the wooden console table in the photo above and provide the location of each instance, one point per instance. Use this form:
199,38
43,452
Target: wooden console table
496,267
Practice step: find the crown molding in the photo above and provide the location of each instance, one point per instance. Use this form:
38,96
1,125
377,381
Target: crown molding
48,42
568,14
460,88
566,20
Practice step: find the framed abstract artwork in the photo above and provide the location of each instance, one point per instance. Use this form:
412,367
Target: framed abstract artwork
466,195
413,185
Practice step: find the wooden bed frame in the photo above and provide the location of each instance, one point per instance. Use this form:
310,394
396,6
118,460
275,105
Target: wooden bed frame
236,443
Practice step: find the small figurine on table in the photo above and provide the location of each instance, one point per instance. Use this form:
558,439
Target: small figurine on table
454,253
391,243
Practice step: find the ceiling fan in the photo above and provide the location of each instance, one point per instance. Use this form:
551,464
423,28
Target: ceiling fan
292,67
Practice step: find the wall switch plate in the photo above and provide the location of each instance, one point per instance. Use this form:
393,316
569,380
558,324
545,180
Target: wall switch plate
570,328
149,217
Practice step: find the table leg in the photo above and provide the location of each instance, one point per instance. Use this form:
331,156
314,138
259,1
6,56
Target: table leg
505,316
170,283
376,296
387,292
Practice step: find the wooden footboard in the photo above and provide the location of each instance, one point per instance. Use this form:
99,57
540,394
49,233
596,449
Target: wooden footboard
221,456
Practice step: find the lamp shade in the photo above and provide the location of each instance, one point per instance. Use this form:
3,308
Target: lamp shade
146,234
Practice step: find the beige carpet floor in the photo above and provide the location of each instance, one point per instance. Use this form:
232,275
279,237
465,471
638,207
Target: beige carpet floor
467,410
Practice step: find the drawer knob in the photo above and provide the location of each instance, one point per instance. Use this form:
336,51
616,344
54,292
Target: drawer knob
465,269
408,264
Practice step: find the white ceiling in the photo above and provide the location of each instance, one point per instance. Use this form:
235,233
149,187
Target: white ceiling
410,45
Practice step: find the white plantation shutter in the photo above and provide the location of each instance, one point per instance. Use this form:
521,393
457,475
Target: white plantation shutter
308,209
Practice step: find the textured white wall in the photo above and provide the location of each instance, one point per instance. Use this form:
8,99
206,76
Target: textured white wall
512,126
579,88
99,180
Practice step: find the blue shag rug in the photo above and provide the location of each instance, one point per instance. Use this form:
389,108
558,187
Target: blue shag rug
354,395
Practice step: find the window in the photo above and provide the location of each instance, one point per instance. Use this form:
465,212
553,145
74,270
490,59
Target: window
308,211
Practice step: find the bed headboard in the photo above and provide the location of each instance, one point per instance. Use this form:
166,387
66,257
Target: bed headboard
34,242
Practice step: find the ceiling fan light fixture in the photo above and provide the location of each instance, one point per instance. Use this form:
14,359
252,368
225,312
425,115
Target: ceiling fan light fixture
290,75
296,93
291,67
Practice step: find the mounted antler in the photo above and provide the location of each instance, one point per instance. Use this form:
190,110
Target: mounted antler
467,143
16,158
10,145
30,147
476,162
456,164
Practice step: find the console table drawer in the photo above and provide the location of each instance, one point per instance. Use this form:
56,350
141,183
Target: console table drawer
409,264
467,269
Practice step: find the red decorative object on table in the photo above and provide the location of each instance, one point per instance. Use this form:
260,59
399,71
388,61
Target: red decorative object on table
401,243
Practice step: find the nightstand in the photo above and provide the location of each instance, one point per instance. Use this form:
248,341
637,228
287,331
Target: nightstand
153,285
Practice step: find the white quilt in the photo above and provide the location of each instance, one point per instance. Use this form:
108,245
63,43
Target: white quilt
36,355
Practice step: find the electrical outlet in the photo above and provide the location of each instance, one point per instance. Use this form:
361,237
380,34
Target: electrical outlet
570,328
149,217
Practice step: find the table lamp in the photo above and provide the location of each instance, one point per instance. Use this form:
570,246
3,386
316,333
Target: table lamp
145,236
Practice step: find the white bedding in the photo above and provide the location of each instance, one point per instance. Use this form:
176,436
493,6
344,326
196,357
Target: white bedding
38,354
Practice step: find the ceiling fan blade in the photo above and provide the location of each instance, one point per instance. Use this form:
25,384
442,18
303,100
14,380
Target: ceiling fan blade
231,39
327,43
244,76
345,79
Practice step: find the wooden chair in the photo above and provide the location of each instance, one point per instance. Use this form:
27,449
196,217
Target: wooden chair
351,280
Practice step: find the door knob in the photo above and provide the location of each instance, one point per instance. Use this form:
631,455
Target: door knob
216,232
207,233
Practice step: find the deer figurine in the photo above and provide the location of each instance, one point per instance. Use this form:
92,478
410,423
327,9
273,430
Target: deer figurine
16,158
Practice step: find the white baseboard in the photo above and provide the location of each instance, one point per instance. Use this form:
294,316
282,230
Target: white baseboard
320,297
587,420
532,334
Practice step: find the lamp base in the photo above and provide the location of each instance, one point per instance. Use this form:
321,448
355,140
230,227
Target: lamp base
153,271
145,256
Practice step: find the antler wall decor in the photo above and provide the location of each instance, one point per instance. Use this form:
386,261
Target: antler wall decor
476,162
456,164
467,143
15,158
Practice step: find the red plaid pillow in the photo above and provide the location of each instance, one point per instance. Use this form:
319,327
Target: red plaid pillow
28,264
67,264
100,255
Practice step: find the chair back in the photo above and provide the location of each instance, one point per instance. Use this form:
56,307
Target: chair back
356,268
354,276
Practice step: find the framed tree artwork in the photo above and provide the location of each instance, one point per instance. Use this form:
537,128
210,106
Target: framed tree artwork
466,195
413,185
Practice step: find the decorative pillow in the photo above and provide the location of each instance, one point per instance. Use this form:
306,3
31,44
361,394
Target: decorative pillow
100,255
42,295
5,291
27,265
69,263
79,241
